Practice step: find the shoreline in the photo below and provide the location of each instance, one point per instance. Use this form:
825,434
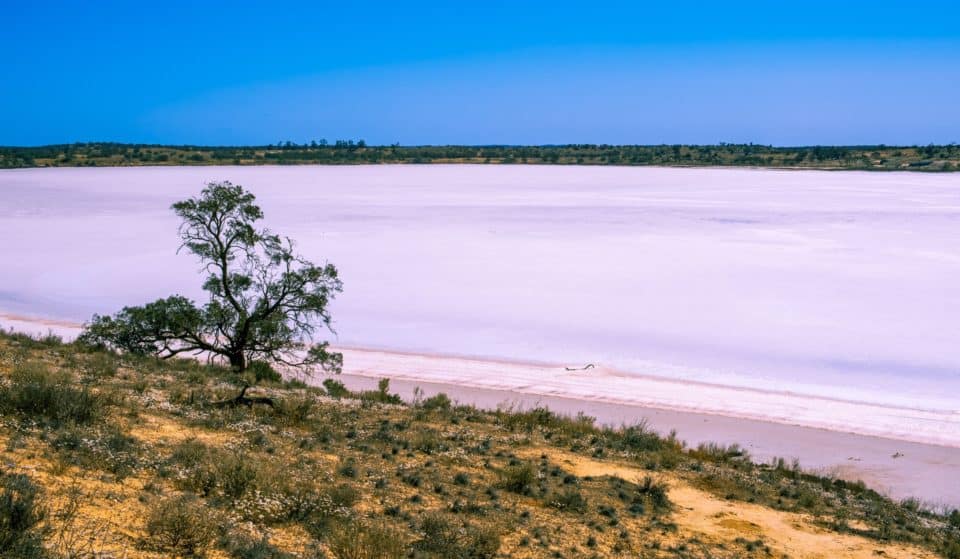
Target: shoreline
480,163
922,471
612,372
609,386
605,385
851,440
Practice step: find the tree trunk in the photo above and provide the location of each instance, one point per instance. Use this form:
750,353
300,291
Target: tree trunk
243,400
238,362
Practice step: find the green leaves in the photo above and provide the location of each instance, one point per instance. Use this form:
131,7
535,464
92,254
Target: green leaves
147,329
265,302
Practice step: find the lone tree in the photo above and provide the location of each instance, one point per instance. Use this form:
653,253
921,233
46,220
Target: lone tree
265,301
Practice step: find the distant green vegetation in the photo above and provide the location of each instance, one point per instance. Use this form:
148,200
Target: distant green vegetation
879,157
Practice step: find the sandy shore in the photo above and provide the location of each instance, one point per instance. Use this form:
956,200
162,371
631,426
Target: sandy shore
850,439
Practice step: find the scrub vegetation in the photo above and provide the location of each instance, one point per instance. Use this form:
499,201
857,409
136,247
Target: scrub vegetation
110,454
878,157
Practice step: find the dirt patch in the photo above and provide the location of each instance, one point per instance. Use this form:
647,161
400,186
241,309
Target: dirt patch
718,520
740,526
157,429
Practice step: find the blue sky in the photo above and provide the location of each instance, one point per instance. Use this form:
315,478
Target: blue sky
812,72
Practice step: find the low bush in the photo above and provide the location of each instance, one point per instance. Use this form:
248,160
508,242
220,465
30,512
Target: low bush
655,494
242,546
263,372
295,410
21,516
438,402
38,393
443,538
106,448
357,540
639,438
180,525
207,472
336,389
518,478
27,341
343,495
381,394
101,365
542,418
236,474
189,453
718,453
428,441
571,500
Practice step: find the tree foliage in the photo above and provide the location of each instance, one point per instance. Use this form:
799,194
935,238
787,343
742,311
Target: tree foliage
265,301
350,152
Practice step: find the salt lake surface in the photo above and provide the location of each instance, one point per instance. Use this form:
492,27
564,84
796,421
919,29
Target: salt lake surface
842,285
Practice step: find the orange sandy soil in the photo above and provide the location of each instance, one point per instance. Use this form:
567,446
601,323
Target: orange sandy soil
93,513
110,518
716,520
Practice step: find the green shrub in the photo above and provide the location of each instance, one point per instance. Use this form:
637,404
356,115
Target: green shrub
27,341
236,474
440,536
428,441
37,392
343,495
438,402
189,453
242,546
180,525
101,365
443,538
348,468
655,494
21,515
315,509
294,383
542,418
295,410
381,394
518,479
335,388
194,467
718,453
106,448
206,471
50,339
571,500
356,540
263,371
638,438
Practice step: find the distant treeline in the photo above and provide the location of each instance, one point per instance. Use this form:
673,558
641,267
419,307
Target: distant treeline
879,157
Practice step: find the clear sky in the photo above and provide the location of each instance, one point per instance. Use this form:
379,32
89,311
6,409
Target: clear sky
516,72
